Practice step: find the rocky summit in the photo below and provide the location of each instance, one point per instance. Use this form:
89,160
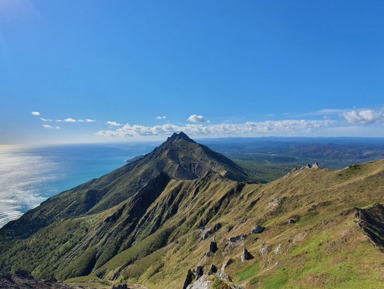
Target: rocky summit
184,216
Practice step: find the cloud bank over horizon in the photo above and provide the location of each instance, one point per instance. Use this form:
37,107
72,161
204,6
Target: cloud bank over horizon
342,121
284,127
324,122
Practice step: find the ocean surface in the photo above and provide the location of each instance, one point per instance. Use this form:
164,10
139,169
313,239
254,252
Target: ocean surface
30,176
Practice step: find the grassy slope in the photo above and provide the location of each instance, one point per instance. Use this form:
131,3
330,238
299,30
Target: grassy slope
324,249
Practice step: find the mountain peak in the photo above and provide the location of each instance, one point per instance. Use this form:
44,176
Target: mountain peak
179,136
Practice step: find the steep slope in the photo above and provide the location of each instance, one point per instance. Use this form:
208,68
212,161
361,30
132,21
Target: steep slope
179,157
313,235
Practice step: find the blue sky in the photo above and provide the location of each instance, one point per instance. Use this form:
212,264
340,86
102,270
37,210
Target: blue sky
95,71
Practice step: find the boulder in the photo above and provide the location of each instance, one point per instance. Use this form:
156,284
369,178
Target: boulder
213,246
237,238
257,229
246,255
212,269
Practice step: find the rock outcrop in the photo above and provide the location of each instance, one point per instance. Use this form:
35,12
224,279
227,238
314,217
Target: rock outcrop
199,272
188,279
209,232
246,255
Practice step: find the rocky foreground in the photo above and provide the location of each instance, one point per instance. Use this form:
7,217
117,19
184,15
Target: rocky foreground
24,280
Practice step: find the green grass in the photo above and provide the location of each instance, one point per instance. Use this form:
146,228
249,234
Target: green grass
278,280
248,272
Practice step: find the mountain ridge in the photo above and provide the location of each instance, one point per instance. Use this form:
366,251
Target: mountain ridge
173,157
309,218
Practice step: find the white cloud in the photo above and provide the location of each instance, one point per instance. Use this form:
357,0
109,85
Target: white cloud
364,116
113,123
196,118
45,119
282,128
35,113
90,120
161,117
329,111
50,126
69,119
80,120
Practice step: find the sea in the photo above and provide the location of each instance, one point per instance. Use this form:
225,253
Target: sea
29,176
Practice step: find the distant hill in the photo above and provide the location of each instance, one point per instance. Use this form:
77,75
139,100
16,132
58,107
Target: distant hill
184,216
267,159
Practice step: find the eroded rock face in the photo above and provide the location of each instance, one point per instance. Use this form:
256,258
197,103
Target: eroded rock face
371,221
199,272
246,255
201,283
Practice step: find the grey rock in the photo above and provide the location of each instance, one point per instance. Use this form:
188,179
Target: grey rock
315,166
263,249
237,238
257,229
